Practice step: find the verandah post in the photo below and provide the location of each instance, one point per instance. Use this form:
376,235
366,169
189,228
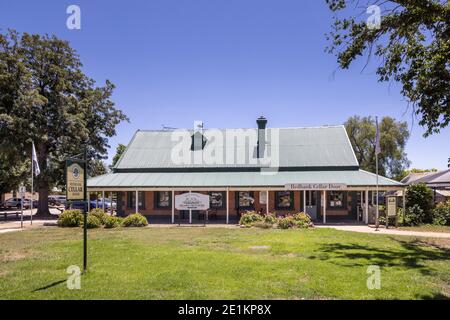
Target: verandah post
324,194
228,205
137,201
304,201
173,206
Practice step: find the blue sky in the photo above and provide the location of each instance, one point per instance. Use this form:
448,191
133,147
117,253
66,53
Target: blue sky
224,62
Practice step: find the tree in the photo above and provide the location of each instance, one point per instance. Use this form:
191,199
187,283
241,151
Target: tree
97,168
422,196
45,97
393,137
412,47
119,151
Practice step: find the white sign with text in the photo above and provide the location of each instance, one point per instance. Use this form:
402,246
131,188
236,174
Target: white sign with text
192,201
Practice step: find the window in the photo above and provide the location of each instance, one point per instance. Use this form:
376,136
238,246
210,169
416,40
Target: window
336,199
131,199
217,200
163,200
284,200
245,199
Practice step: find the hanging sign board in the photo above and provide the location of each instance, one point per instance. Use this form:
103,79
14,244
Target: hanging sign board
315,186
391,206
263,197
75,175
192,201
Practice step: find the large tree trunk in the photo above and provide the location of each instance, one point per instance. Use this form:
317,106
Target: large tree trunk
43,210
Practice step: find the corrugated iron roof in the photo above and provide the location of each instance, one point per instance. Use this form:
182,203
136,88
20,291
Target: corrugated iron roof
327,146
236,179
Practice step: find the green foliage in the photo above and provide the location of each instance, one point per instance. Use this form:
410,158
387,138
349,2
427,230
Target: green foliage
70,219
119,151
286,222
97,168
113,222
394,135
135,220
414,216
412,45
93,222
270,219
100,214
422,196
249,218
302,220
46,98
441,214
298,220
263,225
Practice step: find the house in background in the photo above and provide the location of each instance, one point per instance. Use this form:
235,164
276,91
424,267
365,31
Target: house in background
277,170
439,181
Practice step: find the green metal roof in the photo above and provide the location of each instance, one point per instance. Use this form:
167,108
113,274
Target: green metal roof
236,179
316,147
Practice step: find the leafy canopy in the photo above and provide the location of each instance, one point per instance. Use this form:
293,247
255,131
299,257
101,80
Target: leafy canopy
45,97
412,47
393,137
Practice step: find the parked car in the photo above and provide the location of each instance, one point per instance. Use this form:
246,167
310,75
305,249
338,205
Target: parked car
75,205
16,203
57,200
99,204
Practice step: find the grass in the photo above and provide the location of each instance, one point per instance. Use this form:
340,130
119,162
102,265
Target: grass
222,263
428,227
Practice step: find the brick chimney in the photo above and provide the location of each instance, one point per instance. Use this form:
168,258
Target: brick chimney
261,122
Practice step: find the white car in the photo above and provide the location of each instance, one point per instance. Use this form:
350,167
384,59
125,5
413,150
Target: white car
16,203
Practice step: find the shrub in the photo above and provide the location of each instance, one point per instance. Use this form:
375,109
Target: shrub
302,220
100,214
422,196
93,222
441,214
270,219
135,220
113,222
249,218
286,222
263,225
414,216
70,219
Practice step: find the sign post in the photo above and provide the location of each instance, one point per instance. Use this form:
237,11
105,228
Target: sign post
391,208
76,179
22,192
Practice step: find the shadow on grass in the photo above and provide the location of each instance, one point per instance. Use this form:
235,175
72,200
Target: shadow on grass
53,284
435,296
410,254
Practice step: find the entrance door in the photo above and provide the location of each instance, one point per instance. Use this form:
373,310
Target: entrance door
311,204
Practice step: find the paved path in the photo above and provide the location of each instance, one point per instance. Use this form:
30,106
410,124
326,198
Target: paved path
367,229
12,225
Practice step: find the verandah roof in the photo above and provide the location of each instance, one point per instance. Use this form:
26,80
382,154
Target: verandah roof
356,178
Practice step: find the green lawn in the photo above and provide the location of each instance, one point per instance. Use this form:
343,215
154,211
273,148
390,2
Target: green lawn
221,263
